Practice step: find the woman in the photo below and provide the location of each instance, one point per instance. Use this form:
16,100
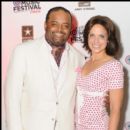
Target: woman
101,73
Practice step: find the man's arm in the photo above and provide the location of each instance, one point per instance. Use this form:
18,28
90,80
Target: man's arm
13,90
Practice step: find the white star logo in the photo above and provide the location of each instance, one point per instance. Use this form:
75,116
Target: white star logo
27,32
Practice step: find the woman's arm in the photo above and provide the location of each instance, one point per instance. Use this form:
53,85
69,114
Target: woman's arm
116,99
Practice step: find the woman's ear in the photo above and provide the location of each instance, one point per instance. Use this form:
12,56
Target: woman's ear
107,41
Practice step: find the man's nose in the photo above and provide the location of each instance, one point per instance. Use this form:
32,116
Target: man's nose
60,28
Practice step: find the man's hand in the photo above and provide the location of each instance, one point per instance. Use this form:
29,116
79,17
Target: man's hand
107,102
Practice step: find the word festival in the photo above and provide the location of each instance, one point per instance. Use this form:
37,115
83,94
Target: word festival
26,6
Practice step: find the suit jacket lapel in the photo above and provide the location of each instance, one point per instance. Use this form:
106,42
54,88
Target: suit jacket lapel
46,62
63,74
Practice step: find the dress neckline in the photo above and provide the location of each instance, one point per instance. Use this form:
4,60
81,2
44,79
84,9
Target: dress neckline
98,68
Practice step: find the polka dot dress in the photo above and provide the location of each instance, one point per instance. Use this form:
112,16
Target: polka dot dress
91,113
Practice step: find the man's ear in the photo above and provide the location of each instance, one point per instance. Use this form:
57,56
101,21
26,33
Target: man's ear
45,25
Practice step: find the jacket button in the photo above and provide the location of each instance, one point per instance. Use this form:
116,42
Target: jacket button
57,103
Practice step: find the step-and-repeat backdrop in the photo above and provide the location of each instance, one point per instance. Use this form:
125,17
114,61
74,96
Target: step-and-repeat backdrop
25,20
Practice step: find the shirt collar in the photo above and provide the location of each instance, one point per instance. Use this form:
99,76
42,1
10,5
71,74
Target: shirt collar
66,46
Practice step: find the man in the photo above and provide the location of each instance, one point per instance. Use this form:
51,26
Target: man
40,87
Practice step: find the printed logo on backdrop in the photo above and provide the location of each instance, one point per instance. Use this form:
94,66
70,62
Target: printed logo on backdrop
127,126
77,35
127,59
23,6
27,33
84,5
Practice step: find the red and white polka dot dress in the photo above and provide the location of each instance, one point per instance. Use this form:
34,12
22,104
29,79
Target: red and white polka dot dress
90,110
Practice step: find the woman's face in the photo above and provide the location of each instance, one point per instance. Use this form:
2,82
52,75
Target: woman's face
98,39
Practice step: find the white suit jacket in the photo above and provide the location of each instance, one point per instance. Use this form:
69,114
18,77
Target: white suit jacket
32,101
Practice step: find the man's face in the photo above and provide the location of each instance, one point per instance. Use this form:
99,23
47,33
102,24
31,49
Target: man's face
58,28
